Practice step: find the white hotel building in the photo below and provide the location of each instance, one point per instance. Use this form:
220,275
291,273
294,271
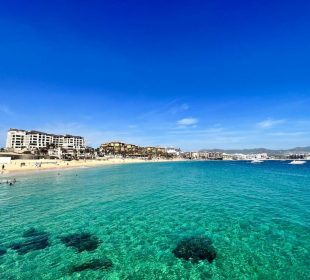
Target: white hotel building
18,139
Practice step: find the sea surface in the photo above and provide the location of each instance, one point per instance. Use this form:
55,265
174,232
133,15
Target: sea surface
257,216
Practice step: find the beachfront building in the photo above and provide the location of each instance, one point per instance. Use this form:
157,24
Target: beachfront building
37,140
155,152
118,148
194,155
175,152
161,150
261,156
297,156
238,156
112,148
206,155
226,156
23,140
150,150
215,155
203,155
55,153
131,149
16,139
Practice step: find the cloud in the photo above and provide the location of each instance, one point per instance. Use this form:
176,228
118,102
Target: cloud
164,110
132,126
187,122
160,109
289,134
269,123
179,108
184,107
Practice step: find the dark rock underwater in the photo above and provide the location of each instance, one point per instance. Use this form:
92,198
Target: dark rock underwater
94,264
81,241
195,249
35,240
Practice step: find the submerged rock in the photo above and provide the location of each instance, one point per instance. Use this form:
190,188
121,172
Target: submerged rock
81,241
2,251
195,249
31,244
32,232
95,264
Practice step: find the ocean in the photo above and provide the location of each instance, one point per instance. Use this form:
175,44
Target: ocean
127,221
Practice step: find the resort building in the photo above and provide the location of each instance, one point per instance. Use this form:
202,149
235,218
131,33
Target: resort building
36,140
150,150
173,151
130,150
118,148
18,140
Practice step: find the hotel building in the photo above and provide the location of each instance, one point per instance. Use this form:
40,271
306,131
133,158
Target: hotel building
123,149
118,148
18,140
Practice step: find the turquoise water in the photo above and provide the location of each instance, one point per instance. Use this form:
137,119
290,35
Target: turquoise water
258,217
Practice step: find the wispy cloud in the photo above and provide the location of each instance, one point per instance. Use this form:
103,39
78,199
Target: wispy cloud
187,122
132,126
288,134
165,109
158,110
269,123
179,108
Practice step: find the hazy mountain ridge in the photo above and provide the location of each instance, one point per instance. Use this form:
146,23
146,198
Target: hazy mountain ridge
259,151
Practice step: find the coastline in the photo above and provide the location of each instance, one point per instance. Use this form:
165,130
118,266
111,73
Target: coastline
18,167
25,167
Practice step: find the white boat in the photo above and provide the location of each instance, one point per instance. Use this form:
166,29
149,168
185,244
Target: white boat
297,162
257,161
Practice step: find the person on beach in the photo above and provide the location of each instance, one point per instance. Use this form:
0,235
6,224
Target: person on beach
3,167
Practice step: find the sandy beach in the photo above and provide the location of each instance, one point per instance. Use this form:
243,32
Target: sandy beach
28,166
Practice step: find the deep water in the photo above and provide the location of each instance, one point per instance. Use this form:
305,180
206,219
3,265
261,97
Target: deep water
125,222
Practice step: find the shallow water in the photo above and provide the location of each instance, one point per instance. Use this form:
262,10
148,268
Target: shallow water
258,217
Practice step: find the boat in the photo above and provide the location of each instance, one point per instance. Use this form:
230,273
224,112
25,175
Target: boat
257,161
297,162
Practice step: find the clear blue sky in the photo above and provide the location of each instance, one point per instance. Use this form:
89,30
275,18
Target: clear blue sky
194,74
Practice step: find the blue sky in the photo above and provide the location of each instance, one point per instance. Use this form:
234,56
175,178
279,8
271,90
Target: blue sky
193,74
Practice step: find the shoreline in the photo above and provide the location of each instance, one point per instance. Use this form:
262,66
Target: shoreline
16,169
24,167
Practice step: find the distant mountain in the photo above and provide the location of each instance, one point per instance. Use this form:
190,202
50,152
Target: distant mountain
260,150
